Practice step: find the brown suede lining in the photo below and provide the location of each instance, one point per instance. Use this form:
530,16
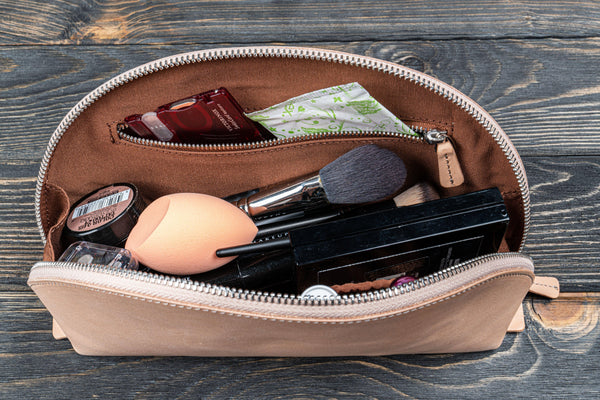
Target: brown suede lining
90,154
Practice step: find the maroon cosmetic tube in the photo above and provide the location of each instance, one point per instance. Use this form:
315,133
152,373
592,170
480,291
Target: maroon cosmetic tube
209,117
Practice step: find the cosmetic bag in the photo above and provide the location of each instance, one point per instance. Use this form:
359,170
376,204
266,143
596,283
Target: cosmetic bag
106,311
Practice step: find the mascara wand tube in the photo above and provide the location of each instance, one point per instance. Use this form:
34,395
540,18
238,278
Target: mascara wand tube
272,272
256,247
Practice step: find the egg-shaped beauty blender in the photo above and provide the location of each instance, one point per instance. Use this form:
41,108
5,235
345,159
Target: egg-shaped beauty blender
180,233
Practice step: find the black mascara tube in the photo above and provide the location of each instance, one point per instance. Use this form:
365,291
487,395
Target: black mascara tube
273,272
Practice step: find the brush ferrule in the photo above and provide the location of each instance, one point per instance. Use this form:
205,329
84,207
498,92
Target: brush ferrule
302,192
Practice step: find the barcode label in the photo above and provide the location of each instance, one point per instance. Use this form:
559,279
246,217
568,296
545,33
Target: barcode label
101,203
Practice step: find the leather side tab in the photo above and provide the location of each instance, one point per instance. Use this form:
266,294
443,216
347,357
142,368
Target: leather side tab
546,286
518,322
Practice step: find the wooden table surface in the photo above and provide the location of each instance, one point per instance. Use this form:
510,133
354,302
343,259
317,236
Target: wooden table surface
532,65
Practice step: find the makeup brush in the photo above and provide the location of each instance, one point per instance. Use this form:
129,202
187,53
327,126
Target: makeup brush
270,225
396,222
363,175
419,193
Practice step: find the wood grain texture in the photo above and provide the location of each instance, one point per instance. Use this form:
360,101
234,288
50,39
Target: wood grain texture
187,21
559,334
550,109
20,244
532,65
565,234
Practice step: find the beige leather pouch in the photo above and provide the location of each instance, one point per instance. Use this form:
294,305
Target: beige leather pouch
104,311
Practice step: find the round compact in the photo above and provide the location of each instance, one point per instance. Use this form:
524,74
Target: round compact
318,291
104,216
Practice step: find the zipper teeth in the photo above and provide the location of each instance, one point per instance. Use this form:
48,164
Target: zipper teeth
278,298
314,54
265,143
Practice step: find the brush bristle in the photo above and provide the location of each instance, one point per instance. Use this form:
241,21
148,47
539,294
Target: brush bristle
420,193
363,175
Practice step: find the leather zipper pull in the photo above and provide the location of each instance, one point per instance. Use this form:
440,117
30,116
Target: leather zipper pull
450,172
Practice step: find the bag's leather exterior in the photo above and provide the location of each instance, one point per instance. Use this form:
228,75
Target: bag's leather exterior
105,322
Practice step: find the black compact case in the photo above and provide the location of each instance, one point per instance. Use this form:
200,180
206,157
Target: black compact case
416,240
371,245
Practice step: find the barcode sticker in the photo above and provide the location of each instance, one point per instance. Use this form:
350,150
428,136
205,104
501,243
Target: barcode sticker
101,203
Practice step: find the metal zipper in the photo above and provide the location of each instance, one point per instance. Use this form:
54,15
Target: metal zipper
449,169
296,52
436,137
278,298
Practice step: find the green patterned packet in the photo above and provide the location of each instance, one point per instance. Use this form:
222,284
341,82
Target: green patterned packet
345,108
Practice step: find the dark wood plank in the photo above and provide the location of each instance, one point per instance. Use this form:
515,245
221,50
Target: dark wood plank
527,365
565,236
544,93
186,21
533,65
20,243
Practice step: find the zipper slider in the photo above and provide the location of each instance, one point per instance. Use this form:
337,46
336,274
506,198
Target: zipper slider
449,168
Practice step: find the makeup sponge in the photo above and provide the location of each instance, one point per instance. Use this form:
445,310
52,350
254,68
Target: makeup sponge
180,233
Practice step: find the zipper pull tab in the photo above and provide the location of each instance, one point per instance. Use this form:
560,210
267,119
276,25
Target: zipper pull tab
448,165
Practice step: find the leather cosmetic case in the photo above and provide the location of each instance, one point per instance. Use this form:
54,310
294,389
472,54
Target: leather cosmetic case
106,311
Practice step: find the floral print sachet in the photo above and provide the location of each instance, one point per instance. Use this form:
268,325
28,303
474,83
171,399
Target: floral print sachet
344,108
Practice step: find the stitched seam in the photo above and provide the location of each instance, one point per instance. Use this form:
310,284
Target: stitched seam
545,285
419,120
111,133
47,190
448,168
278,319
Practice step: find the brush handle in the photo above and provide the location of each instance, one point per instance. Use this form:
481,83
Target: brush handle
304,191
416,194
260,247
281,243
274,229
263,221
317,217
